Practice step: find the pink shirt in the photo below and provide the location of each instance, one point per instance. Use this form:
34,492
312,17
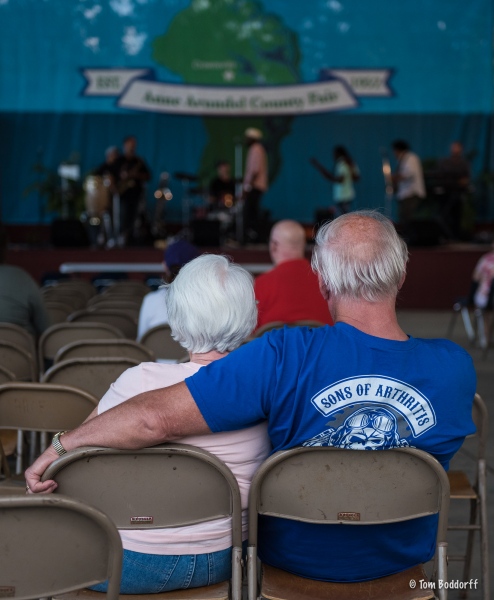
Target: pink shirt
484,274
242,451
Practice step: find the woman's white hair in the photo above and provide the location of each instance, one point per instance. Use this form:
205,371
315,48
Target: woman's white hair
360,256
211,305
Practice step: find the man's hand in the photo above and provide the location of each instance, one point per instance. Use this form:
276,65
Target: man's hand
33,474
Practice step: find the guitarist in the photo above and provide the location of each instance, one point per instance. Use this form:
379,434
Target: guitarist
132,174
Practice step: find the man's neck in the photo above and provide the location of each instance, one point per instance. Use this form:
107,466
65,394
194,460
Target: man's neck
373,318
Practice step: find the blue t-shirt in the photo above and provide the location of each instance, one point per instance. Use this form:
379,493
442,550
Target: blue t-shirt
340,387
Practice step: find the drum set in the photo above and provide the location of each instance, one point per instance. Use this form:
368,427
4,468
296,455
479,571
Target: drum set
102,215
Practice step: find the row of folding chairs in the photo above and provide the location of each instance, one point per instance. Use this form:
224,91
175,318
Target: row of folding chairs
176,485
308,483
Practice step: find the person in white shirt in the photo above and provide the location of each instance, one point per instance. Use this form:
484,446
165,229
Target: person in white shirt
153,308
255,182
345,173
410,186
211,310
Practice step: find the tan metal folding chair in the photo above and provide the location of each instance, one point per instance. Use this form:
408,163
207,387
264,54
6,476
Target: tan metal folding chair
42,407
116,318
19,336
127,299
175,484
18,361
57,336
105,349
6,375
476,494
317,485
70,297
129,288
130,308
159,340
81,286
94,375
56,545
57,311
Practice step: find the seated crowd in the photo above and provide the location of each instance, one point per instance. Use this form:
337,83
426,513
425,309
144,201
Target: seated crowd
357,382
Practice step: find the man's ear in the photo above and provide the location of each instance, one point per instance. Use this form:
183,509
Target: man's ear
402,281
322,288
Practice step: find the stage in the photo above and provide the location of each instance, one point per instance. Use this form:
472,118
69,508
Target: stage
436,275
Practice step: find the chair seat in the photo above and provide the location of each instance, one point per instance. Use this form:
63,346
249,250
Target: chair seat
461,488
219,591
280,585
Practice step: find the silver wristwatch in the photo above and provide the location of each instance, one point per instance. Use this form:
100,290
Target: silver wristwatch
59,449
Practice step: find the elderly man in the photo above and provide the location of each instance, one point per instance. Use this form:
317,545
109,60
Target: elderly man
362,384
290,291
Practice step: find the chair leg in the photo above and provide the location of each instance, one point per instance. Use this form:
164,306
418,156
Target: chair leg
467,322
484,532
469,549
20,449
479,316
452,321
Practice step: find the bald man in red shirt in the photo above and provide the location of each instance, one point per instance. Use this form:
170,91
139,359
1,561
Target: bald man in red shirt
290,291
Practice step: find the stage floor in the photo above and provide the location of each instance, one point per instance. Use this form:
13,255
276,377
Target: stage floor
436,276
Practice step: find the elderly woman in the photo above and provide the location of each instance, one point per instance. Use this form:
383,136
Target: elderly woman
211,310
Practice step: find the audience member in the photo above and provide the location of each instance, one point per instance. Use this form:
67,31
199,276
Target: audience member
153,310
196,555
361,384
483,276
290,291
21,302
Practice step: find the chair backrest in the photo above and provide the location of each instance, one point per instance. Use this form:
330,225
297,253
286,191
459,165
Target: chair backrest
18,361
69,297
134,288
19,336
165,486
159,340
129,300
43,406
129,308
57,336
328,485
95,375
116,318
105,348
6,375
85,288
56,545
57,311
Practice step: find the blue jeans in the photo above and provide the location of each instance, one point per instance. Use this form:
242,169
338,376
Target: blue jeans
154,573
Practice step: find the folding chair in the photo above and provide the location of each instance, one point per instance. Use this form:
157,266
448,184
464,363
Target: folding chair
105,349
268,327
9,332
128,287
94,375
83,287
476,493
127,299
42,407
130,308
116,318
175,484
56,545
70,297
57,311
6,375
159,340
323,485
18,361
57,336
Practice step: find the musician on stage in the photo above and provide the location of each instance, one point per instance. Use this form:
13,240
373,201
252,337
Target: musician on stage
109,168
222,187
255,182
132,174
409,184
455,179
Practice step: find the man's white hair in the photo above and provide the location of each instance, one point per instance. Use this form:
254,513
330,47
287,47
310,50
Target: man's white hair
211,305
360,259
